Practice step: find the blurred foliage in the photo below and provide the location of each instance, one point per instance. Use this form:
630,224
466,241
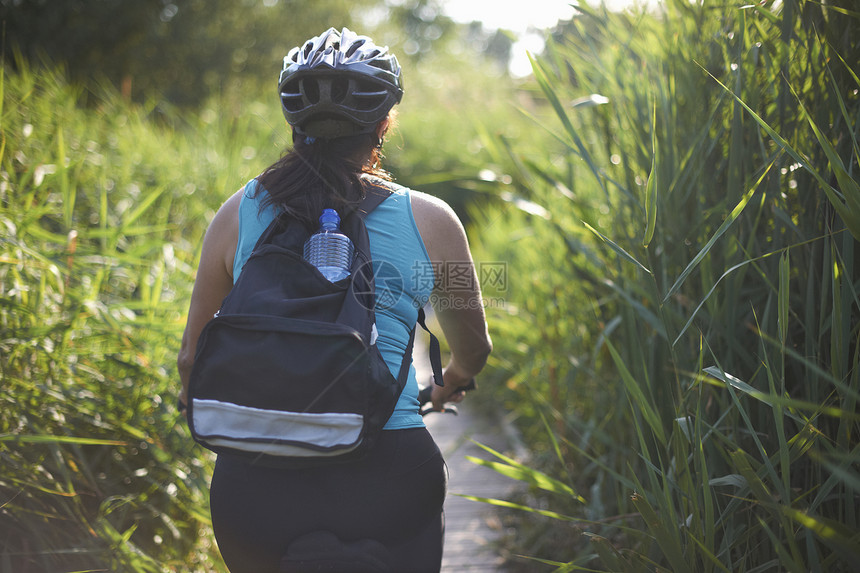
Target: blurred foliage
181,51
454,103
183,55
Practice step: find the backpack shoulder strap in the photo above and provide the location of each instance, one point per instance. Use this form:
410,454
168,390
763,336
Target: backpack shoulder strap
375,194
435,351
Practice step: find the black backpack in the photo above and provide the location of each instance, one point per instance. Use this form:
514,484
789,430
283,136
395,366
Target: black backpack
287,373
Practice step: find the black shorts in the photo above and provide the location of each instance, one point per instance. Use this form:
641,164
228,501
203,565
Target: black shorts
393,496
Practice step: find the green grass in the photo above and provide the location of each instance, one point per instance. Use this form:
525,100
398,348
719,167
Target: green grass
680,338
102,207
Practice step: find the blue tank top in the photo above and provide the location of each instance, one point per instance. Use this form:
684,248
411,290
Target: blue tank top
404,279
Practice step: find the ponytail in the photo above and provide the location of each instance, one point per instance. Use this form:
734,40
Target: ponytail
319,174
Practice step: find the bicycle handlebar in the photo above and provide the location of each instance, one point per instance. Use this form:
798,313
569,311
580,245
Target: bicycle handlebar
426,393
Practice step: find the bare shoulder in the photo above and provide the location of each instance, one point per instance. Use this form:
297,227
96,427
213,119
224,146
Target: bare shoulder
429,206
439,226
224,227
230,208
223,233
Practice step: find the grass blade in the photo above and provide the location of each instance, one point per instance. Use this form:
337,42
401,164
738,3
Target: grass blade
651,186
637,396
45,439
515,470
624,254
851,218
831,532
775,400
546,86
850,210
783,296
736,212
668,542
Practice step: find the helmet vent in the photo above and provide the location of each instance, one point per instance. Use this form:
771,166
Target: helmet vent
339,89
369,100
355,46
311,90
379,64
291,97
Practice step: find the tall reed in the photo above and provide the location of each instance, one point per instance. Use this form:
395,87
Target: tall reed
102,207
682,317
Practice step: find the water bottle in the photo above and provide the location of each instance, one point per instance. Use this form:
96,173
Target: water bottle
328,249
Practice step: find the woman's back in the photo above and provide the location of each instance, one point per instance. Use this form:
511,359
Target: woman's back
393,496
403,273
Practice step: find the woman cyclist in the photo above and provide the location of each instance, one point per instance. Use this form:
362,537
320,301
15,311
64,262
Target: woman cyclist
337,91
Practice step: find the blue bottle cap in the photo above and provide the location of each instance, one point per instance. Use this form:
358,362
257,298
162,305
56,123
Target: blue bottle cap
329,216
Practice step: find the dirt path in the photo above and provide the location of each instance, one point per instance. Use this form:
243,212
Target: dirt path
472,529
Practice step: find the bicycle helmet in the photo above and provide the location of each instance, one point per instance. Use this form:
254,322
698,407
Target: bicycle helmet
338,84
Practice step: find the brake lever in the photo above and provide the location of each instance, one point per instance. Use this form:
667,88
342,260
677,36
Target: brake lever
426,394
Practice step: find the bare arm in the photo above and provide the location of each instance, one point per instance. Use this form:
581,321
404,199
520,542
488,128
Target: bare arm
460,310
213,282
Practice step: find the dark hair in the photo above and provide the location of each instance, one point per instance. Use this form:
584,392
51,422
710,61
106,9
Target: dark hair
322,174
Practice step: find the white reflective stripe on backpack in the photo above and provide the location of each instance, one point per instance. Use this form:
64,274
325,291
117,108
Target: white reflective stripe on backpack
259,430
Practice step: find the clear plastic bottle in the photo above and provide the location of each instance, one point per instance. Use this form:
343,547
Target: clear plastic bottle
328,249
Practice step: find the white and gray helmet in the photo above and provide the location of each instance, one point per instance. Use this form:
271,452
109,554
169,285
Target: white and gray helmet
337,84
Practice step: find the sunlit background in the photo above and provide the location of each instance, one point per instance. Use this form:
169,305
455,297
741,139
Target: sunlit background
528,21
